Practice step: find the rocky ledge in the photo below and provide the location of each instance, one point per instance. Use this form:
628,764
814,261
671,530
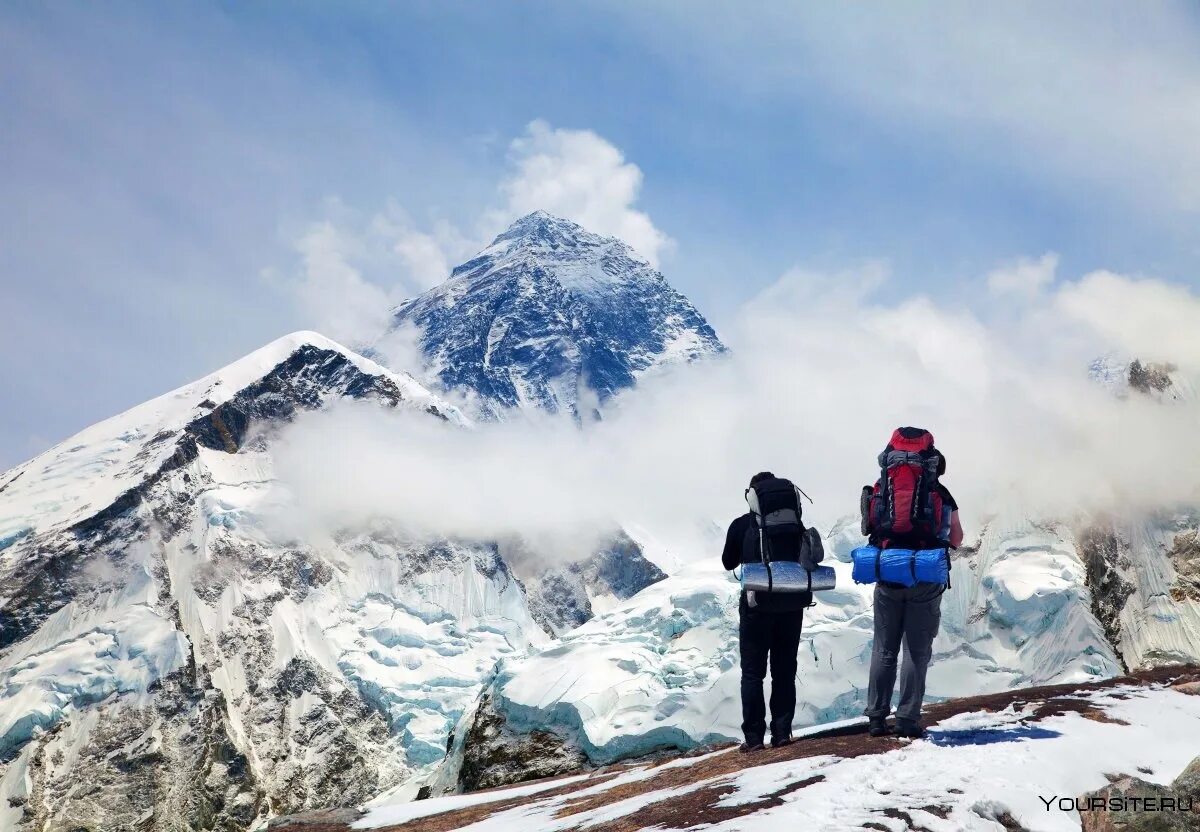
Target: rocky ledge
987,760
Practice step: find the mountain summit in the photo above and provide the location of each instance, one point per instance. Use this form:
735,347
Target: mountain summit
550,313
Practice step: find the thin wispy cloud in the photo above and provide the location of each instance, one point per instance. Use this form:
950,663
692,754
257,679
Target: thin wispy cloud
1088,94
1025,277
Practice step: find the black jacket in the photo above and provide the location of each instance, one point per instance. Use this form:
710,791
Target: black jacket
731,555
741,546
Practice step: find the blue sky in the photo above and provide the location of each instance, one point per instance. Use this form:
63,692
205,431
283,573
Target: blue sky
162,165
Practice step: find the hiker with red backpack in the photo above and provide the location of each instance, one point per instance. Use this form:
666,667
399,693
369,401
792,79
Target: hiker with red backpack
911,520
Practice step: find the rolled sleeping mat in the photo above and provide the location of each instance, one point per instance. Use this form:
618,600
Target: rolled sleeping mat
786,576
900,566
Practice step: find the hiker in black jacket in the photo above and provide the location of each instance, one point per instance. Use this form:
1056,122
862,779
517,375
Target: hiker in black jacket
769,627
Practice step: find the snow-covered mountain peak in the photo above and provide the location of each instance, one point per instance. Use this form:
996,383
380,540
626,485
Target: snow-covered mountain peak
97,466
1159,380
550,313
540,237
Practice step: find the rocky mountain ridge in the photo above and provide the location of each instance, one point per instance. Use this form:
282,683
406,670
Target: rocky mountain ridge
173,660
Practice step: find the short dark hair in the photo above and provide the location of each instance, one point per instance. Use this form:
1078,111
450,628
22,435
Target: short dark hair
941,463
760,476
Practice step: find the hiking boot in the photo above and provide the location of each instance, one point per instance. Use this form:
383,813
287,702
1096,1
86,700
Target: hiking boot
780,742
750,745
877,727
909,729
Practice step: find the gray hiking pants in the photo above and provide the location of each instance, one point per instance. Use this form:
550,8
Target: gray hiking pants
910,615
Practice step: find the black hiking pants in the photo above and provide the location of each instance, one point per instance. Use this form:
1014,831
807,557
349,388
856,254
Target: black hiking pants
768,637
907,616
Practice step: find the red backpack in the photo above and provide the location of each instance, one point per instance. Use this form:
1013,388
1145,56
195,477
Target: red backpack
905,508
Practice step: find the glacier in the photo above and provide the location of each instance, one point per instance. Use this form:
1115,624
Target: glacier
661,671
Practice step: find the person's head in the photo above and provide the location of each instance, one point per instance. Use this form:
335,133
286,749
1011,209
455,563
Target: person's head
941,462
760,477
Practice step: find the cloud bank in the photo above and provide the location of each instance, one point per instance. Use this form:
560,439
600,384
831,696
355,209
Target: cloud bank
820,373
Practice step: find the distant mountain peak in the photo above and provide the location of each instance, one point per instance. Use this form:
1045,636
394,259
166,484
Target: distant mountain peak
542,238
551,314
542,224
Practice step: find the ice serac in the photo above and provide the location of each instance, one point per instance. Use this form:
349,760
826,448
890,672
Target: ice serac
661,670
552,316
165,642
1144,572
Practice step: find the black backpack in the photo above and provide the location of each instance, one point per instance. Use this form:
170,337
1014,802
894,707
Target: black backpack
775,504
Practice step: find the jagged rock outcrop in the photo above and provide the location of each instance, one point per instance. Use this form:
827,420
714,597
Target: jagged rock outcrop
1142,575
563,596
494,755
1132,804
1106,557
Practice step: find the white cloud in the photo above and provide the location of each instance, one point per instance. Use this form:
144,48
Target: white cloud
818,376
341,303
424,256
1025,278
581,176
1146,318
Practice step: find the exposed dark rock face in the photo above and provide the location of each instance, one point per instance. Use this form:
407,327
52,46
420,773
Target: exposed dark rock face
1150,377
494,755
1185,557
560,596
309,377
1104,556
169,765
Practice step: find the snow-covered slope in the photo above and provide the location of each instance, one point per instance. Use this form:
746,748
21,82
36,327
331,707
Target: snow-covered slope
552,316
166,639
